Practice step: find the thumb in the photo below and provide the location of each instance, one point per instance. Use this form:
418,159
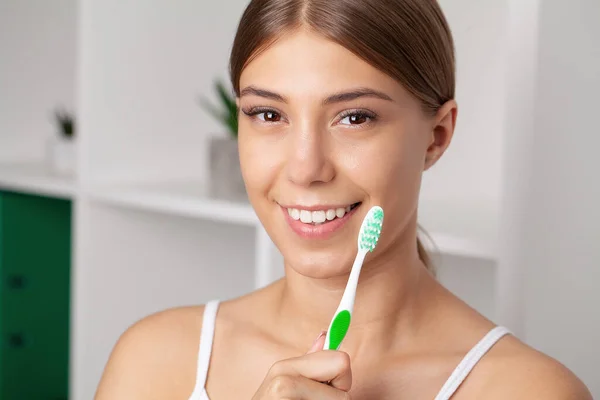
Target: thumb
318,343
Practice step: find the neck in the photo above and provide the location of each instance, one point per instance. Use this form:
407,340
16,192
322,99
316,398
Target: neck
390,291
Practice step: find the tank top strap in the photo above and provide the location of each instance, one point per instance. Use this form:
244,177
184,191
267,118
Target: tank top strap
470,361
206,342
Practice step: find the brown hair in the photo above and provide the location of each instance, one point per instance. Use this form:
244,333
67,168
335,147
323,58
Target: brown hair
410,40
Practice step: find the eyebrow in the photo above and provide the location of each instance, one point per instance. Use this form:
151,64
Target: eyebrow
356,94
334,98
253,90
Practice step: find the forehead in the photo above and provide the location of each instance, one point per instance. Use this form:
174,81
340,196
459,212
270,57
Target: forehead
305,64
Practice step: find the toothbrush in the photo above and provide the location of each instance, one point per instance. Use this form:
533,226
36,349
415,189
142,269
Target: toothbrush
367,240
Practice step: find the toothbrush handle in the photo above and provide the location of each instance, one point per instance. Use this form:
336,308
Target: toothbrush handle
338,327
347,302
337,331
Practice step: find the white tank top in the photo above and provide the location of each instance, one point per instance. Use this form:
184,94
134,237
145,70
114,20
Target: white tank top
450,387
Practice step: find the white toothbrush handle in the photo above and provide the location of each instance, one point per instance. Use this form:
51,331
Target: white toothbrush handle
347,302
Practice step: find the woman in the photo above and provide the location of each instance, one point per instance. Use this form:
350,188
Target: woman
343,105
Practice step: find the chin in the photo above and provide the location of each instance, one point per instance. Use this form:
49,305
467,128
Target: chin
320,264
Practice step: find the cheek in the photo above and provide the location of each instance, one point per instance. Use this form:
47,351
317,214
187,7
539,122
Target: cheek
259,161
394,182
389,168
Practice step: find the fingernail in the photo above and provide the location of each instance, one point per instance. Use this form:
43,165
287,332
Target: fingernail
315,346
323,333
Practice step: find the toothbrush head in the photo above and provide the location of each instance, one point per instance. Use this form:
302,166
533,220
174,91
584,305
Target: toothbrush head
370,229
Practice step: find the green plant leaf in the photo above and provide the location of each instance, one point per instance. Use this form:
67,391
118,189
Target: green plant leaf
227,112
65,122
227,98
230,112
212,110
232,124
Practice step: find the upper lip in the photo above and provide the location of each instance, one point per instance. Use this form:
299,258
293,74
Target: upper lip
321,207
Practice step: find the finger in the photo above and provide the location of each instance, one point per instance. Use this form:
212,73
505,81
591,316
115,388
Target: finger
302,388
321,366
318,343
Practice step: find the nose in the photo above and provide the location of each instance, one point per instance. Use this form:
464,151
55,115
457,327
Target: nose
308,160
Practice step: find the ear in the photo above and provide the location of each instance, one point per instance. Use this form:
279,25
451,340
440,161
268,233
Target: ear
442,131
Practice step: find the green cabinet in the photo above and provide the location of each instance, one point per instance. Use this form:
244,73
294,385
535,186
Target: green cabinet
35,259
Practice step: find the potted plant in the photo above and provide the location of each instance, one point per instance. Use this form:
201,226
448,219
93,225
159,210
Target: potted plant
225,176
62,144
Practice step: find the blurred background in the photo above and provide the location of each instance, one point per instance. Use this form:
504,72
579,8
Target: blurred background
118,197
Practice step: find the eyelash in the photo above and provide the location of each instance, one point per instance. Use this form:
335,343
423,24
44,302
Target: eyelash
372,117
253,112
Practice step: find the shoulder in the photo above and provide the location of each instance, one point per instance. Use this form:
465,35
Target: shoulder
155,358
517,371
511,369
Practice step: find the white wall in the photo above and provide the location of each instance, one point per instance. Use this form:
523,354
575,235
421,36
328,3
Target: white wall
37,67
518,141
562,224
471,168
460,195
471,279
143,65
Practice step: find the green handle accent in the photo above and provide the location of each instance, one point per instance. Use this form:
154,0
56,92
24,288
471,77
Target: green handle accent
339,328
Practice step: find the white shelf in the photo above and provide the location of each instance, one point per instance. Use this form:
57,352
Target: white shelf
36,179
461,228
187,199
464,246
456,228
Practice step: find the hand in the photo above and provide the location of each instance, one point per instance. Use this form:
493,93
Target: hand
317,375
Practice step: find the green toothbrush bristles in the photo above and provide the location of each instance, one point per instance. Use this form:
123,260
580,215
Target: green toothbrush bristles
371,229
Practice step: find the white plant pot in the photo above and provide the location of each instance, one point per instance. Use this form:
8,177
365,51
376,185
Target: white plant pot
61,154
226,181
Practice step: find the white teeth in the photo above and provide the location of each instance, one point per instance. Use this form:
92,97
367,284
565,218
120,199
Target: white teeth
330,215
295,213
318,217
305,216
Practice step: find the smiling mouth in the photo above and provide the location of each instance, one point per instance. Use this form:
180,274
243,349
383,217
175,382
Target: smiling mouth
320,217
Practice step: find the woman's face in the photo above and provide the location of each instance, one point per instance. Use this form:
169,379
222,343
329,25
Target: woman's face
323,137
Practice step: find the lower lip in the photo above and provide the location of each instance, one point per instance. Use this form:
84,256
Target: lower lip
322,231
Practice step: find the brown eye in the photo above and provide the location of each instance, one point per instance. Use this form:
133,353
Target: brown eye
270,116
357,118
263,114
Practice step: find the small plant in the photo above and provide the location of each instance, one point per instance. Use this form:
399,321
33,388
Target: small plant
66,123
227,112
